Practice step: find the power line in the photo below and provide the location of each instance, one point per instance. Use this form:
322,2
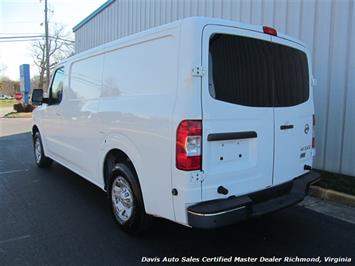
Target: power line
19,33
20,37
22,40
21,22
14,38
32,40
61,39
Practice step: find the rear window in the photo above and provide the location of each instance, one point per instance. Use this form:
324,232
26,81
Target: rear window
258,73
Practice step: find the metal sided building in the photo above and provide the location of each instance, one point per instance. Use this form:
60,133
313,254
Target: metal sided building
327,27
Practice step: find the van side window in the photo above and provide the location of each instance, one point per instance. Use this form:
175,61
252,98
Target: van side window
56,89
258,73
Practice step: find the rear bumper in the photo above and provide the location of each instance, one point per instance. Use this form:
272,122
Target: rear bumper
221,212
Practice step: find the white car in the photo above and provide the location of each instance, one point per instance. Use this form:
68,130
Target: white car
202,121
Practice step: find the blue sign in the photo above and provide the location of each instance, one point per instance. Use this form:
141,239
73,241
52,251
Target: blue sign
25,81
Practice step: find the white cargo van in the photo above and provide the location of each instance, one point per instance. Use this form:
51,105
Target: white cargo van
202,121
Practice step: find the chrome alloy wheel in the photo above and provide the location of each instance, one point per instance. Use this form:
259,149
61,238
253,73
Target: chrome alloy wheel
122,199
38,150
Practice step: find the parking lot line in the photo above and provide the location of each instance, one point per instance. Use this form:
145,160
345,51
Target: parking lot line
14,239
13,171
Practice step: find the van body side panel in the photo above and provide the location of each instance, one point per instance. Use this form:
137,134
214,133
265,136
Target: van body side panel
136,101
187,107
79,113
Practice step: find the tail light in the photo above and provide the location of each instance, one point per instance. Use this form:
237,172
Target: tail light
189,145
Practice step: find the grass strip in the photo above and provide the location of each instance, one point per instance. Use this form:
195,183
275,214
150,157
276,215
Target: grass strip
337,182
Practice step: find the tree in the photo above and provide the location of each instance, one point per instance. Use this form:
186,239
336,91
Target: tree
60,47
35,82
8,86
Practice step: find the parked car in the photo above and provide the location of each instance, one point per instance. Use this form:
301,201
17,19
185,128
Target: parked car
5,97
202,121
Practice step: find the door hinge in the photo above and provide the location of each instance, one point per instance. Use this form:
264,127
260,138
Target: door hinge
314,82
198,71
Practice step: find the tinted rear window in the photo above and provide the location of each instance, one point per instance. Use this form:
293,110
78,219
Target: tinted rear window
254,72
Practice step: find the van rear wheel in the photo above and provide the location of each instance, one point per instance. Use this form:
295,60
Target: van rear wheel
126,199
41,159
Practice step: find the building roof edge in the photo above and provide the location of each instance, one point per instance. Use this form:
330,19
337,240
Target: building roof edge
92,15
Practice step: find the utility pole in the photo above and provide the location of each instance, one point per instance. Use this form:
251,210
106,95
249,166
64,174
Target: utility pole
47,42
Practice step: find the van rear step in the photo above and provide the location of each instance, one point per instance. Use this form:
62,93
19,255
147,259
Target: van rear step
221,212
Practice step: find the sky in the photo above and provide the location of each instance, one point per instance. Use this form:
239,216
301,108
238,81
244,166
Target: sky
24,17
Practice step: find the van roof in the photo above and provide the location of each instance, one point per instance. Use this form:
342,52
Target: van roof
199,22
234,23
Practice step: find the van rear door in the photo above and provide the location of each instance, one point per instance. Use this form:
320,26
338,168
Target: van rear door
293,110
238,117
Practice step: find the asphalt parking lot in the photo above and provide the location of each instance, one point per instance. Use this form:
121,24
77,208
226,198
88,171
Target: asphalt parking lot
54,217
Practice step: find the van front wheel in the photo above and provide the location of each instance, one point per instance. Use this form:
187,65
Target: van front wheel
126,199
40,158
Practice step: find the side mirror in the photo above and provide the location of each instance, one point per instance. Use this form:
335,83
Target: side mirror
37,97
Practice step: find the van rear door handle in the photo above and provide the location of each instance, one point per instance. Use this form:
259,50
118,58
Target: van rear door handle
284,127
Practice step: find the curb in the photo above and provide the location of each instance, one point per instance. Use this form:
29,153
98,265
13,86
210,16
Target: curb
332,195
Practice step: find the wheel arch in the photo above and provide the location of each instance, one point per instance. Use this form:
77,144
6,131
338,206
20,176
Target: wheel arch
35,129
112,157
121,147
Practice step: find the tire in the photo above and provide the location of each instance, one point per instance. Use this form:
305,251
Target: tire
126,199
40,158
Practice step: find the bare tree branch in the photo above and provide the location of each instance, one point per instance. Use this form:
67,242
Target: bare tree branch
59,48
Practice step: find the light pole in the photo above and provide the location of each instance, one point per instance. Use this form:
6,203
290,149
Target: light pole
47,42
